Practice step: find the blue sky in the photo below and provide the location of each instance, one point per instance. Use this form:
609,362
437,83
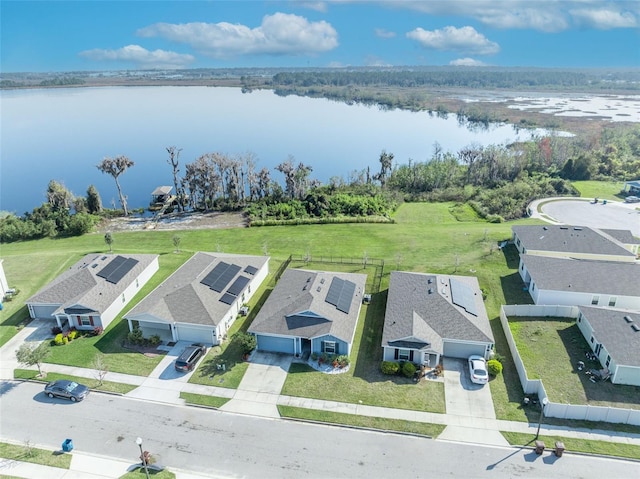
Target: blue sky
42,36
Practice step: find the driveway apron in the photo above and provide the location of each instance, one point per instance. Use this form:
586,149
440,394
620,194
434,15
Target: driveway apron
471,404
260,387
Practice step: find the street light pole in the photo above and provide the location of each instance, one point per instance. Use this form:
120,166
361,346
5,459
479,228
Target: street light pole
142,457
545,401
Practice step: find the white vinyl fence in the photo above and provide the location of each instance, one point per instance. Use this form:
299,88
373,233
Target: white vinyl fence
535,386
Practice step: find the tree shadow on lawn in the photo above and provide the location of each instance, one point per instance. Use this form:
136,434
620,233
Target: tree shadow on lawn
615,395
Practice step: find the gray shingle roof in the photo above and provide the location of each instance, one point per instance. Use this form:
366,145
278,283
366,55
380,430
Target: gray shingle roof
181,298
584,276
624,236
615,333
81,289
413,313
297,306
570,239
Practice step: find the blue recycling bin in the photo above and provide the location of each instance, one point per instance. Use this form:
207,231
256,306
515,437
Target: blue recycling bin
67,445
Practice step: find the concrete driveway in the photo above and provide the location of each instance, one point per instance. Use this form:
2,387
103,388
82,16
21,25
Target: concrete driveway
470,407
260,387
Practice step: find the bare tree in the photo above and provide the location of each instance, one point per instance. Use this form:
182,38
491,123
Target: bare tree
115,167
174,161
386,163
100,367
176,242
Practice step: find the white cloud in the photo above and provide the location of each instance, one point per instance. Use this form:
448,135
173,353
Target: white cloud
467,62
317,6
604,19
464,39
142,57
279,34
541,15
382,33
374,61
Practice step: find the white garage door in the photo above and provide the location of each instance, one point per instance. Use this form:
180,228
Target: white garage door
194,334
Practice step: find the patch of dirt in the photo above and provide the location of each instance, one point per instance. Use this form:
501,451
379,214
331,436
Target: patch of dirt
177,221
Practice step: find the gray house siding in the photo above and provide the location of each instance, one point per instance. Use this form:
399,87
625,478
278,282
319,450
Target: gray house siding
318,345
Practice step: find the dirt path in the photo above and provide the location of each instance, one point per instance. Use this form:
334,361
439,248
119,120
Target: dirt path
177,221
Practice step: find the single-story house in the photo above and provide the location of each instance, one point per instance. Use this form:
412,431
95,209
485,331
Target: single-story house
434,315
614,336
577,282
310,312
579,242
93,291
201,300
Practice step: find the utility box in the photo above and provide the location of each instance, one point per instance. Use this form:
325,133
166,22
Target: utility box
539,447
67,445
559,448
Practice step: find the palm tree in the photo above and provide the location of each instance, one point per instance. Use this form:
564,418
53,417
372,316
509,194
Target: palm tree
115,167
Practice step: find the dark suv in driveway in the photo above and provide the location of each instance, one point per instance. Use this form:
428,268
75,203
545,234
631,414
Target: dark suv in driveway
189,357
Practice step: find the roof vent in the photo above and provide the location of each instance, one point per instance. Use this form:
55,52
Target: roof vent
635,327
430,280
322,281
430,290
564,227
308,279
545,228
577,228
628,319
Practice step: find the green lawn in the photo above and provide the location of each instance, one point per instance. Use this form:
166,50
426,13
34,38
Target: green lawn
383,424
609,190
27,453
203,400
550,349
426,237
606,448
94,384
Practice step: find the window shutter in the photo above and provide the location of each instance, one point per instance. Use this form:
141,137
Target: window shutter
322,346
91,320
411,355
395,354
337,348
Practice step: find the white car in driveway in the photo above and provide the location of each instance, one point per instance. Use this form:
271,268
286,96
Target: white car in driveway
478,370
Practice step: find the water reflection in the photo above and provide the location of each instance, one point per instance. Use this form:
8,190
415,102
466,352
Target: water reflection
63,134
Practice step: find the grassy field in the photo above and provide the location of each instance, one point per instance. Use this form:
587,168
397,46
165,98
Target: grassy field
438,238
604,190
550,349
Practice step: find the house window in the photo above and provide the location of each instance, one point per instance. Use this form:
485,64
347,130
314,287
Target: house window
591,340
580,318
403,354
612,301
606,364
518,241
137,284
329,347
85,321
123,299
595,300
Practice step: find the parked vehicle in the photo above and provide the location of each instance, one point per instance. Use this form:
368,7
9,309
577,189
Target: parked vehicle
64,388
190,356
632,199
478,369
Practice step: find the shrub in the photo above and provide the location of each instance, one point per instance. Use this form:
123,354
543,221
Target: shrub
72,334
98,330
155,340
343,360
494,367
389,367
59,339
248,342
314,356
408,369
135,336
324,357
498,357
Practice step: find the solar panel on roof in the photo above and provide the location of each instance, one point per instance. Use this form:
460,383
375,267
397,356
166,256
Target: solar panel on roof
238,285
344,303
226,276
333,295
121,271
214,274
111,266
462,295
228,298
251,270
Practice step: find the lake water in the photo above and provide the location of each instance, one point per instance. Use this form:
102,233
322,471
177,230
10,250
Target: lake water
62,134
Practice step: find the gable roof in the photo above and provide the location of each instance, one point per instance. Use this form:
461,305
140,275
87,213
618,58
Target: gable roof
298,306
93,283
573,239
583,276
615,332
184,298
623,236
422,307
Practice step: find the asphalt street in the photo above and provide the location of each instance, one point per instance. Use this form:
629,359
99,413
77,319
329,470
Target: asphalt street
230,445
